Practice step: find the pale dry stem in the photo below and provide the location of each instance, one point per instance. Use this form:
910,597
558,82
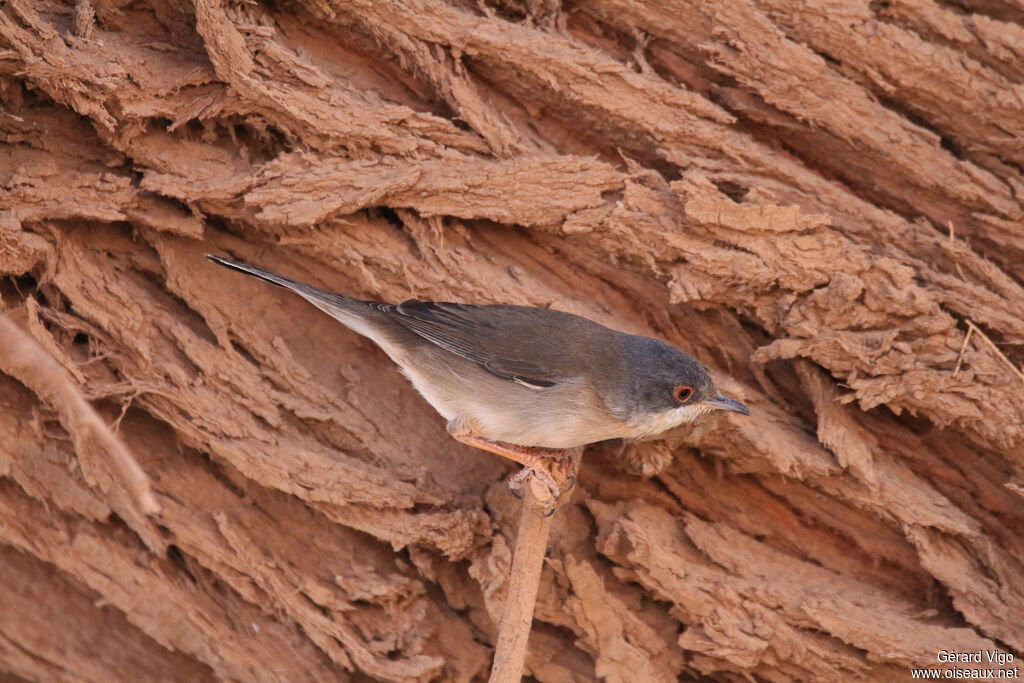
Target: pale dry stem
25,360
1017,371
963,348
527,564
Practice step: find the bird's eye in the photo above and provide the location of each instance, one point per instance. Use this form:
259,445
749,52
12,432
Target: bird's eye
682,393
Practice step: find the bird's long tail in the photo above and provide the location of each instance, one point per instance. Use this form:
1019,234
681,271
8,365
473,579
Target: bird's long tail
352,312
267,275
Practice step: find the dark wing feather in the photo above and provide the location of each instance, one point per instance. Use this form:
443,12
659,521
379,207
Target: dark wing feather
512,342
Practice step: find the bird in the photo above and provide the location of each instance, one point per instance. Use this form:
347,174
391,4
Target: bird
523,382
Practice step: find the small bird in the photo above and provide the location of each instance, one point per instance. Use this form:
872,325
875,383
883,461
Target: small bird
525,382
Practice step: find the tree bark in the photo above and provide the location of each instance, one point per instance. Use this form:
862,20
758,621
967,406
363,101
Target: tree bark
821,201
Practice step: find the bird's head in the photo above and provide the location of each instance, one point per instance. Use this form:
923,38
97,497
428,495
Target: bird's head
665,388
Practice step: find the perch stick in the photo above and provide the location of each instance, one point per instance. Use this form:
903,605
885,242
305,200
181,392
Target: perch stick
963,347
992,344
517,617
24,360
524,579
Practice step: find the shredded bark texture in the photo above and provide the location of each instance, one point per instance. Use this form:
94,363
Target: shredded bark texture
822,201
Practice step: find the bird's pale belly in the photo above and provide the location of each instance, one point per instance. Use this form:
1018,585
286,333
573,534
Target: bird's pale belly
502,410
557,427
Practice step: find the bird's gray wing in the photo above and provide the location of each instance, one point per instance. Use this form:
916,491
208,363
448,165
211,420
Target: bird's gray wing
517,343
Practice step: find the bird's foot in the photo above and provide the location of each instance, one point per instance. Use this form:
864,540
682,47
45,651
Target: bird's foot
542,475
515,483
552,469
550,477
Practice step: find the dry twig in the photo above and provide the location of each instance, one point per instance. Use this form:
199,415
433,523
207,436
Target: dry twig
952,250
963,348
992,344
527,563
23,359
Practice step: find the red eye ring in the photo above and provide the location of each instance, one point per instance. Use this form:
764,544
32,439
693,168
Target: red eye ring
683,393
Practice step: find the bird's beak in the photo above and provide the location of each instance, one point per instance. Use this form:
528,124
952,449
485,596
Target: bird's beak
721,402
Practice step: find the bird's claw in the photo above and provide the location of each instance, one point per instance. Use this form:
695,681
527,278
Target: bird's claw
544,476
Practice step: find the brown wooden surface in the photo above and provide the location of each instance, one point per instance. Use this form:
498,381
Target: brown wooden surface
819,200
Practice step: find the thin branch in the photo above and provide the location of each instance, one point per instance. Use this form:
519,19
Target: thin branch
527,564
977,331
26,361
963,348
517,617
952,250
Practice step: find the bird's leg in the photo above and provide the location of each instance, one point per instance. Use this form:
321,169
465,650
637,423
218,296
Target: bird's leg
524,455
536,461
